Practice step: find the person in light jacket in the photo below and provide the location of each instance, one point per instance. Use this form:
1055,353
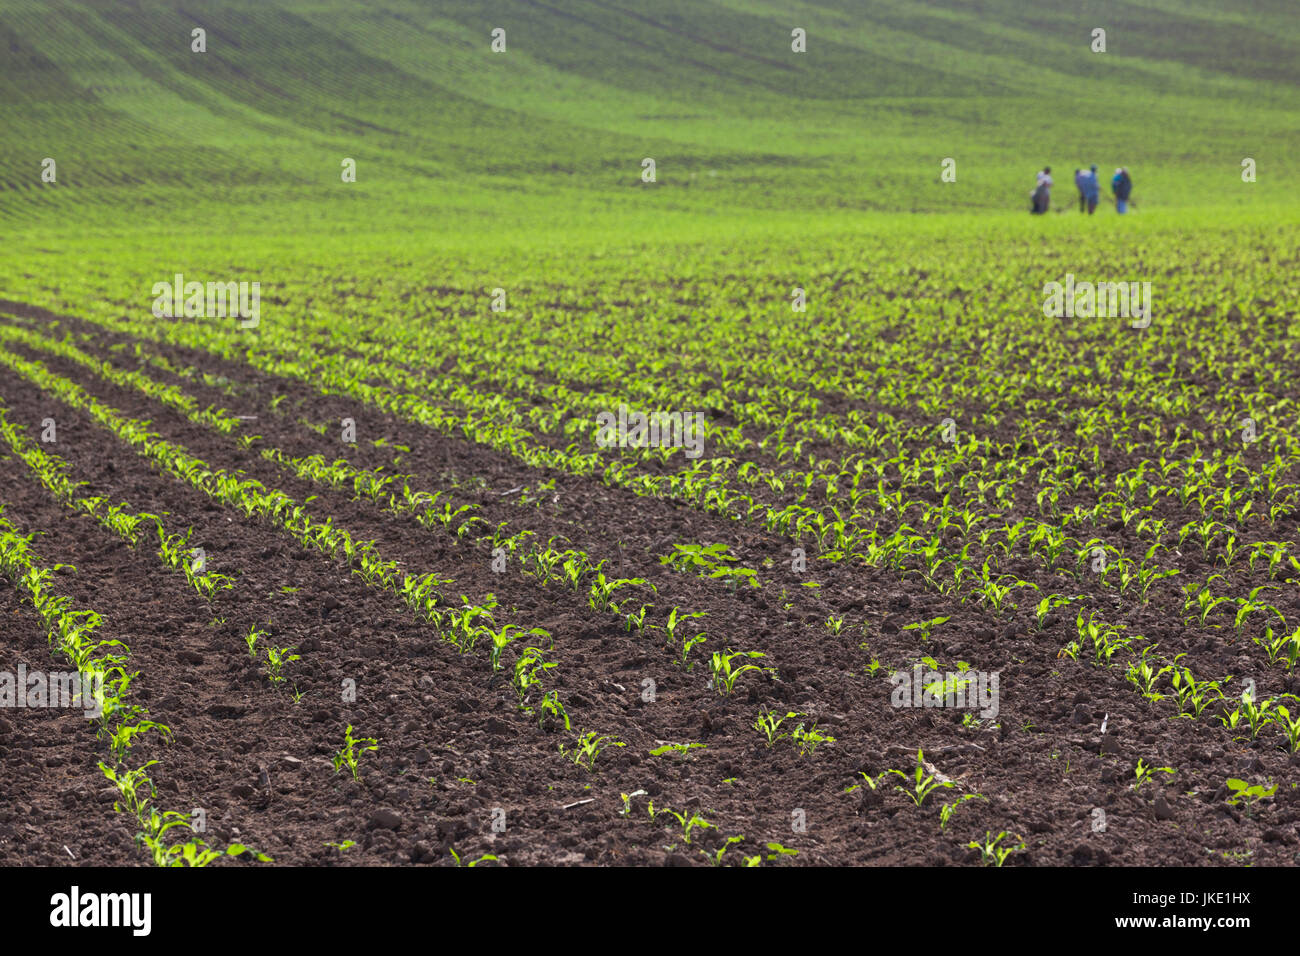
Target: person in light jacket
1042,194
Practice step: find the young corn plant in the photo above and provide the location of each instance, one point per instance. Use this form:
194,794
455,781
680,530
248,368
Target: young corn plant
1239,791
530,666
1290,727
725,673
1282,647
1256,713
251,639
1144,772
601,598
807,740
922,784
1193,696
925,627
769,725
681,646
688,823
637,620
682,750
354,748
992,851
587,748
503,638
1143,675
715,858
276,659
948,809
553,710
1049,604
1105,638
1201,602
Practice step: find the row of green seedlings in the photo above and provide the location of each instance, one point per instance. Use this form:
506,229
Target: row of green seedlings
577,570
1237,792
1150,672
1281,646
994,590
462,627
927,555
550,414
1147,670
173,547
559,402
922,782
691,823
463,632
248,496
103,664
320,467
844,533
372,484
571,566
507,437
169,395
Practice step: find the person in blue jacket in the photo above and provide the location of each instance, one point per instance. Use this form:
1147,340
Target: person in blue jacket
1121,185
1090,186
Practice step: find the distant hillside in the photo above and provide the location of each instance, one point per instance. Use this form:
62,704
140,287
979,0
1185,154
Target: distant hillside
447,133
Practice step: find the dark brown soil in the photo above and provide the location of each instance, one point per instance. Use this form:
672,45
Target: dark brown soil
454,748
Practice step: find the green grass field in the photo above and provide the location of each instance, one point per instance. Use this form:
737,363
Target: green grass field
493,160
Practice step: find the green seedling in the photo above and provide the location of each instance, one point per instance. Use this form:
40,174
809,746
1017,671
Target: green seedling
725,674
925,627
991,853
587,748
948,809
689,824
1239,791
627,801
1290,727
251,639
715,857
681,750
922,784
1144,772
867,780
276,659
350,756
808,740
530,667
776,851
551,708
769,725
485,858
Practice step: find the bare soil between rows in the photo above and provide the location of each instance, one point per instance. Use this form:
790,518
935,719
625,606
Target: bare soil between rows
1043,771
